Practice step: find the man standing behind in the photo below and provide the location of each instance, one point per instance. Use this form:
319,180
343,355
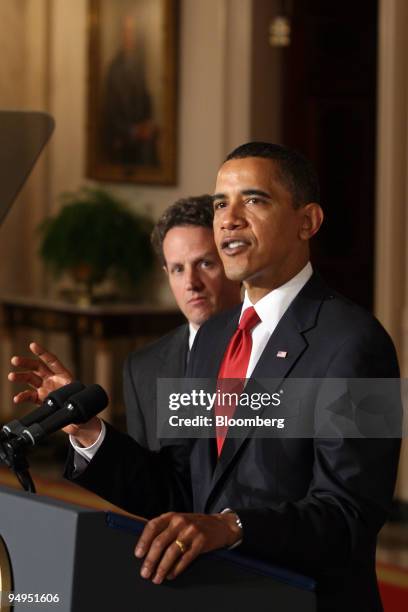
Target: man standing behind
184,242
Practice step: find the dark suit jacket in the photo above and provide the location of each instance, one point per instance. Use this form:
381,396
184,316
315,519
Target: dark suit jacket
165,358
314,505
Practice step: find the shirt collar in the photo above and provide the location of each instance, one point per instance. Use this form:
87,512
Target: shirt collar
191,336
272,306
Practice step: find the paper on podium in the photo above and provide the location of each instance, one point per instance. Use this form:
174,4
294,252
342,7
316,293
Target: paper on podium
23,136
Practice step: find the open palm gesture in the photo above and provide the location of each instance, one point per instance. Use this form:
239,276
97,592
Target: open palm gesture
43,375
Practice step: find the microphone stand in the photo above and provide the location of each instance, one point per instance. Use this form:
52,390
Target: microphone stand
13,455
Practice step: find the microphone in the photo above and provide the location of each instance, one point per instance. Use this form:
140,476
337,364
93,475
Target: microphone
53,402
80,408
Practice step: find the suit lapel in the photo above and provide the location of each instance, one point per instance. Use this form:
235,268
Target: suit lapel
210,367
288,337
170,363
174,357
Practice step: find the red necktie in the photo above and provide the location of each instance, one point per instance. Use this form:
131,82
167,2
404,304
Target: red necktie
234,366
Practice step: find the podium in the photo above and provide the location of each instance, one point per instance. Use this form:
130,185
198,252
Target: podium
84,559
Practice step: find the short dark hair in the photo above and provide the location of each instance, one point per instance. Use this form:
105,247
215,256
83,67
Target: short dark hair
197,211
296,172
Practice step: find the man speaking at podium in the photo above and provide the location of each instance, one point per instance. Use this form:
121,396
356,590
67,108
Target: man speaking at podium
312,505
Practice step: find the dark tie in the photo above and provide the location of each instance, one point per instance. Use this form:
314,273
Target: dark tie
234,366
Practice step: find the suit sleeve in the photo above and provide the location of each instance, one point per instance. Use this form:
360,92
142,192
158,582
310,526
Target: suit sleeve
134,416
143,482
351,489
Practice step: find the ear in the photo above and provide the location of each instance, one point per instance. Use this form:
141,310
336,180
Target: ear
165,270
311,219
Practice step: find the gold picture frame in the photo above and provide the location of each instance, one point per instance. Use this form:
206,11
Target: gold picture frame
132,91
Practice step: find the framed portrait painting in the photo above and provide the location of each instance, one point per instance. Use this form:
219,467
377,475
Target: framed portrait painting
132,91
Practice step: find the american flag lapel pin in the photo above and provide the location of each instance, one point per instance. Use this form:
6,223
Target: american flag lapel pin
282,354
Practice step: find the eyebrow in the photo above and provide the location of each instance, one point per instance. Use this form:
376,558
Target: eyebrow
258,192
206,255
246,192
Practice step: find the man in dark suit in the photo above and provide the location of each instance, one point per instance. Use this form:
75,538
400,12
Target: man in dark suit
184,243
314,504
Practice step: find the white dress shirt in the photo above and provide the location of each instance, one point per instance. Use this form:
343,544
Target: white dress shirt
192,334
270,310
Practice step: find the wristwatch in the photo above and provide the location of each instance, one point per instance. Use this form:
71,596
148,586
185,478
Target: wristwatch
238,522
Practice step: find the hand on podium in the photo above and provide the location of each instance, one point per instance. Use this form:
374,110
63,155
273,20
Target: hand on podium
170,542
44,374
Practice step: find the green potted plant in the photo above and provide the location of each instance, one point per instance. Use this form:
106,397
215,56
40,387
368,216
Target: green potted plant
94,237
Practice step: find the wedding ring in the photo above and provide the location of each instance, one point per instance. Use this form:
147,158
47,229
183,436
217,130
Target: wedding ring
181,546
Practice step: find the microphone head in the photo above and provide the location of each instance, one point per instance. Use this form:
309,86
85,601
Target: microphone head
80,408
87,403
61,395
53,402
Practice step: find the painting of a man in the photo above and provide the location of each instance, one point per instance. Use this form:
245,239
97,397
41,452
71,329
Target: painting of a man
132,118
130,130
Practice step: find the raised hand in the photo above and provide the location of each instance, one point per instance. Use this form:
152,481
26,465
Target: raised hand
43,375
